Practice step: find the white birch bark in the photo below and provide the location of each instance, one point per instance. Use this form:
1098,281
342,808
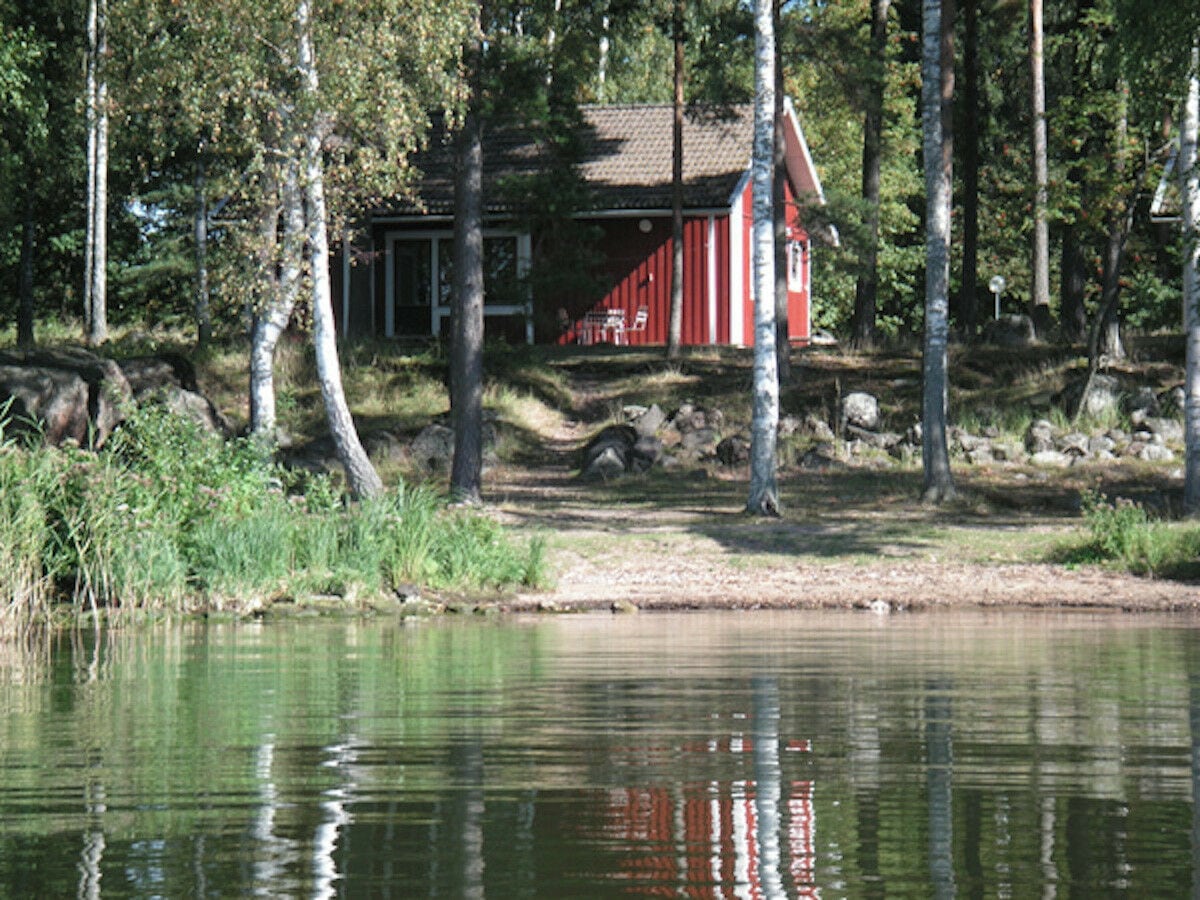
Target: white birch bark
361,477
1189,190
934,451
270,323
1041,228
200,237
764,492
96,253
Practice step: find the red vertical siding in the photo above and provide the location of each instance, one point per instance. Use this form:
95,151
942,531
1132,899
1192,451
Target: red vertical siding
798,301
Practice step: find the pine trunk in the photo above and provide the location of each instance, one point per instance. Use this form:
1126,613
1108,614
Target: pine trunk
1189,189
200,238
939,484
764,492
25,308
866,291
675,322
361,477
466,352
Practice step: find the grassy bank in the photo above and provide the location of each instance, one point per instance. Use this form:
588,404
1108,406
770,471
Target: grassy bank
168,518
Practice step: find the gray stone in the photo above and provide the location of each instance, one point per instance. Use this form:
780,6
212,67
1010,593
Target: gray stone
1039,438
1142,400
1074,444
69,395
701,440
433,448
1010,331
733,451
1050,459
1101,443
818,428
1171,401
1169,430
861,410
649,421
1156,453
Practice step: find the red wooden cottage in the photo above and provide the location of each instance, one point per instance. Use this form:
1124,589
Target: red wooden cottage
401,286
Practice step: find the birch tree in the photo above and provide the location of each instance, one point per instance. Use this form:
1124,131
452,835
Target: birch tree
675,322
764,491
95,288
1189,191
1040,268
939,484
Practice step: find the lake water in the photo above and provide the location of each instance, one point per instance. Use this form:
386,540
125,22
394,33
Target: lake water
720,755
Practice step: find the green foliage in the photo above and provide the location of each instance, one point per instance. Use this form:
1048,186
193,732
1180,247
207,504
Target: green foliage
168,517
1122,532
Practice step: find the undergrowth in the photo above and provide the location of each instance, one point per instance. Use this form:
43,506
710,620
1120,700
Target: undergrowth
167,517
1121,532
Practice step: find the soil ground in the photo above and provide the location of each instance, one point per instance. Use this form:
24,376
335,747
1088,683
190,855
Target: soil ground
856,537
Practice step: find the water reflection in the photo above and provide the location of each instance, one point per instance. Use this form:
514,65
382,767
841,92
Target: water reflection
726,756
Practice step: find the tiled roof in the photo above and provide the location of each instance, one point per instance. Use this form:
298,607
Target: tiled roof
625,160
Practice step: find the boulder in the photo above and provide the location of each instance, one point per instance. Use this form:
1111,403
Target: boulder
1050,458
1039,437
609,453
67,395
1103,396
733,451
1169,430
170,380
1010,331
649,421
861,410
701,441
433,448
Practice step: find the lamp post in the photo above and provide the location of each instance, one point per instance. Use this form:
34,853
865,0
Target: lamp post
996,286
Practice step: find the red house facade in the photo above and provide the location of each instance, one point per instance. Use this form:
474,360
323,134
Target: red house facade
398,283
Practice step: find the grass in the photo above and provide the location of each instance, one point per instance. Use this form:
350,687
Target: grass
168,518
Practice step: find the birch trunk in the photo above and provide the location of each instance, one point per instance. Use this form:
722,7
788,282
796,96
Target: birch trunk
939,484
764,492
675,321
466,352
25,308
96,253
1041,228
783,346
361,477
1189,189
270,322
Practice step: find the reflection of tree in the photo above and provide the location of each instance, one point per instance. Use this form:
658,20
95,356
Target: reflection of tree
768,777
1194,724
939,764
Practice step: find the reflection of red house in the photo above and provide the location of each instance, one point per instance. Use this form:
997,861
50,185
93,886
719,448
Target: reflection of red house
704,840
402,288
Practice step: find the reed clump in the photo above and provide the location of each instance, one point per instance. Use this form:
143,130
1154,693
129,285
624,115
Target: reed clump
168,518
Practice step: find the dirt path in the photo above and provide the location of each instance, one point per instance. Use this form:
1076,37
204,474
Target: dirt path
681,541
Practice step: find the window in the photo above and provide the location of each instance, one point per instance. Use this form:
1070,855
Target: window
797,252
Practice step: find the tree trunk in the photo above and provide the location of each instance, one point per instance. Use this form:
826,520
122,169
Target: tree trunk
25,308
764,492
466,351
96,256
783,346
1119,224
939,485
200,235
675,323
866,291
361,476
1040,267
1074,287
1189,190
270,322
969,296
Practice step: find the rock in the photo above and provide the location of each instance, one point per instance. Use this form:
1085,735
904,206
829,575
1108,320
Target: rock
1168,429
1010,331
645,452
1103,398
1073,444
1050,458
702,441
649,421
623,607
1101,443
819,458
861,410
1039,438
1171,401
1142,400
383,446
610,453
1156,453
878,440
818,429
733,451
1007,451
68,395
433,448
789,425
980,455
